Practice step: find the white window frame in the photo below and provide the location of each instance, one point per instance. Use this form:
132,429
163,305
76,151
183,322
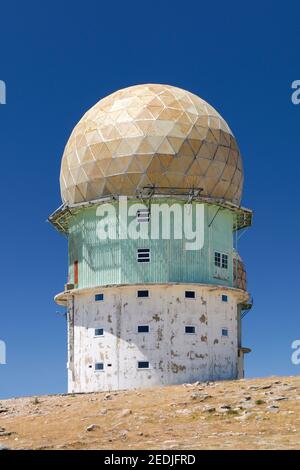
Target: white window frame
99,293
139,251
189,326
143,215
137,294
98,328
143,332
143,368
224,328
190,298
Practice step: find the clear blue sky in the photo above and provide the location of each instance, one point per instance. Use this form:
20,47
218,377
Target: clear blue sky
59,58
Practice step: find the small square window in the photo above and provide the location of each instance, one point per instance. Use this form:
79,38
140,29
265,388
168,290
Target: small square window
99,366
224,298
143,255
191,330
99,297
143,293
224,331
99,332
143,365
224,261
143,328
217,259
189,294
143,215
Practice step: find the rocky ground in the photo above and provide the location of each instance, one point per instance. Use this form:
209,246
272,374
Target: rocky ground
244,414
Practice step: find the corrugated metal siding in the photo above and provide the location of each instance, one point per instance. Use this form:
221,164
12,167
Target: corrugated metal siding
104,262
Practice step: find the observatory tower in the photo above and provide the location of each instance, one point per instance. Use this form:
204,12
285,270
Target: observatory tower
145,305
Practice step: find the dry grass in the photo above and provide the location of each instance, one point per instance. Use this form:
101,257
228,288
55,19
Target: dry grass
244,414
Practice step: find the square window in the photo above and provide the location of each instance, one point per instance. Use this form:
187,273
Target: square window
190,294
224,331
99,297
224,261
99,332
143,328
143,215
217,259
143,293
143,365
99,366
191,330
143,255
224,298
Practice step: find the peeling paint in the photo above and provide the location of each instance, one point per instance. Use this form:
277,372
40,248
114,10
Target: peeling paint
173,355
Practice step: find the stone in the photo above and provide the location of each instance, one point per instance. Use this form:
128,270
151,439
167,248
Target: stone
92,427
209,409
125,412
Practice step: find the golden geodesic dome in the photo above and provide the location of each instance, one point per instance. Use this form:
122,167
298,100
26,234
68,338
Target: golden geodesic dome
151,135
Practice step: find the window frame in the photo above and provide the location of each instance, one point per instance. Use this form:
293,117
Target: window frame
99,300
224,328
143,216
143,259
143,362
142,296
190,298
143,332
187,332
98,336
223,263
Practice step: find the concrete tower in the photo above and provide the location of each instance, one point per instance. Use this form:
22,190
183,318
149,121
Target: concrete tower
151,183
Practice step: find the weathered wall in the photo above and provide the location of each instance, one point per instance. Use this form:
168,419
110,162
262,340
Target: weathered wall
175,357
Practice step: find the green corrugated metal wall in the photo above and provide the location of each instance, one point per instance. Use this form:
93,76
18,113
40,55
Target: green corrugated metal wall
103,262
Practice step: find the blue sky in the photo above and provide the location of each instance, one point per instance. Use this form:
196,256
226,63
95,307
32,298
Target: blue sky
57,60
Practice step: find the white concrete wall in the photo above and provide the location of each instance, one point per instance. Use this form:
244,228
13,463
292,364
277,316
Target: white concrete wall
174,356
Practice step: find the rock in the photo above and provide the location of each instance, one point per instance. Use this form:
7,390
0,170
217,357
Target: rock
247,397
199,396
273,408
245,416
209,409
92,427
103,411
107,397
4,410
279,398
4,433
184,412
259,387
123,434
248,406
125,412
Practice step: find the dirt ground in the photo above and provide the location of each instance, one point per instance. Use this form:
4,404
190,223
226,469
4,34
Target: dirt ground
245,414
